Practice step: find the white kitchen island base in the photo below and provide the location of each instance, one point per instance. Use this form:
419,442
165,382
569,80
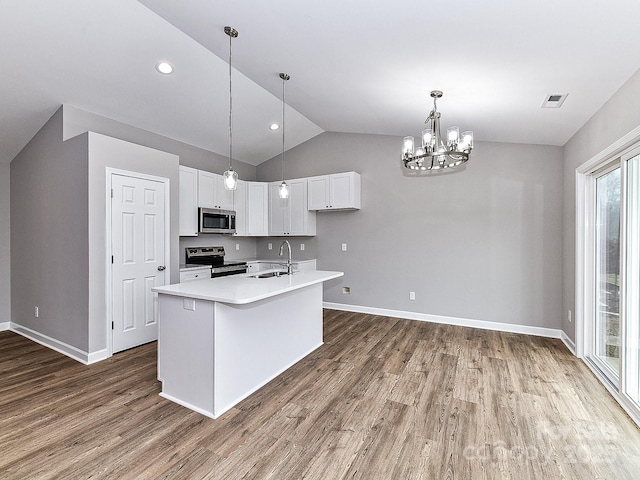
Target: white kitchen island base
213,354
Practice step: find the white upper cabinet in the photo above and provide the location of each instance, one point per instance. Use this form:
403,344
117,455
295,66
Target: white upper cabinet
211,191
257,209
290,216
240,206
188,201
338,191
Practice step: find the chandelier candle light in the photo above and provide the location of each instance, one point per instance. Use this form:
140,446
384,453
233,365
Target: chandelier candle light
434,155
283,190
230,176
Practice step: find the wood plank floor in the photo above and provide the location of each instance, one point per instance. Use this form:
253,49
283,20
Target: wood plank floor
382,399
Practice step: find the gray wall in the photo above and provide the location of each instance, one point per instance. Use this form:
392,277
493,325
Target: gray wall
481,244
109,152
78,121
49,248
5,259
57,222
615,119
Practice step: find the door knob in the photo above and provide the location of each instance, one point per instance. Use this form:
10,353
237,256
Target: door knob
161,268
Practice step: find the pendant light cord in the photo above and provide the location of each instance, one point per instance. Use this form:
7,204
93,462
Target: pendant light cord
230,105
283,129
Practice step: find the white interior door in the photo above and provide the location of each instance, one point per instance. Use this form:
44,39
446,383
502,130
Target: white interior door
138,263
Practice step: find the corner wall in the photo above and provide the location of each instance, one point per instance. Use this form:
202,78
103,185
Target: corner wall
49,243
106,152
482,244
5,241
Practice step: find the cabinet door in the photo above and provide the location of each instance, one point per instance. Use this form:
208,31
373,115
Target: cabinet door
253,267
223,197
207,183
341,190
278,211
188,202
318,192
240,206
211,191
257,209
301,221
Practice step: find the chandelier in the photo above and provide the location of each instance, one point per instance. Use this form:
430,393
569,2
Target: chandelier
436,155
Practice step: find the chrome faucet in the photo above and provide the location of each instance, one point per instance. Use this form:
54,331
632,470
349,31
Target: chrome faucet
289,264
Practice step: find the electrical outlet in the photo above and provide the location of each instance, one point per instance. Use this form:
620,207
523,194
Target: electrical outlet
270,246
36,312
412,295
346,290
302,246
344,247
237,246
569,315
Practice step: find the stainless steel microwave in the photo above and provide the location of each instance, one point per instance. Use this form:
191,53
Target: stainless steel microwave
211,220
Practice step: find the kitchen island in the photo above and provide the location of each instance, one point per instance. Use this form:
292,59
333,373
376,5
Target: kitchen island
221,339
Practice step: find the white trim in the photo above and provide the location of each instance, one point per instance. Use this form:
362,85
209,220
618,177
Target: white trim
463,322
5,326
632,411
583,222
570,344
109,172
60,347
611,151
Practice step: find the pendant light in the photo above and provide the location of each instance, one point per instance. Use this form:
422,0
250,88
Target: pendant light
230,176
283,190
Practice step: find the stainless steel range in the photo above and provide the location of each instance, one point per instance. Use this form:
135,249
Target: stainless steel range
214,256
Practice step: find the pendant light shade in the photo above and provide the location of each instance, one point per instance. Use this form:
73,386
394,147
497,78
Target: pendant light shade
230,176
283,190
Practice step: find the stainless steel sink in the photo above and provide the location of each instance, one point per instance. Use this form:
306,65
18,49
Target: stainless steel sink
269,274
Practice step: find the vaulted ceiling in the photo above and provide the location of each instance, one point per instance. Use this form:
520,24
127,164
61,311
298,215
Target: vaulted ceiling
355,66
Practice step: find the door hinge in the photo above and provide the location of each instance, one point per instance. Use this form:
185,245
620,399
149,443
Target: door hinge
111,258
113,326
112,193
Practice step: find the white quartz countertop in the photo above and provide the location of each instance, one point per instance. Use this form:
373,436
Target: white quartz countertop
242,289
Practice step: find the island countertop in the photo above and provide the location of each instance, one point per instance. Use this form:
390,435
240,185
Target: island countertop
243,289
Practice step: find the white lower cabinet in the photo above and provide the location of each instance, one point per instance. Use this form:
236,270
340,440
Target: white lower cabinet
195,274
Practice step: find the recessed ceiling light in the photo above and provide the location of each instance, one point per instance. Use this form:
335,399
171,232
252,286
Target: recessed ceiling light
165,68
554,100
274,126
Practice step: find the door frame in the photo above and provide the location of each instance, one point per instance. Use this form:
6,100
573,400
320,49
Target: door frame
109,173
584,261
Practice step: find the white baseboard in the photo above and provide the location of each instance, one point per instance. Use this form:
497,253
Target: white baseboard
570,344
463,322
60,347
5,326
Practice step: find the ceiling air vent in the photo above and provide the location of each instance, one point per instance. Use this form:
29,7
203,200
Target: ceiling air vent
554,100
